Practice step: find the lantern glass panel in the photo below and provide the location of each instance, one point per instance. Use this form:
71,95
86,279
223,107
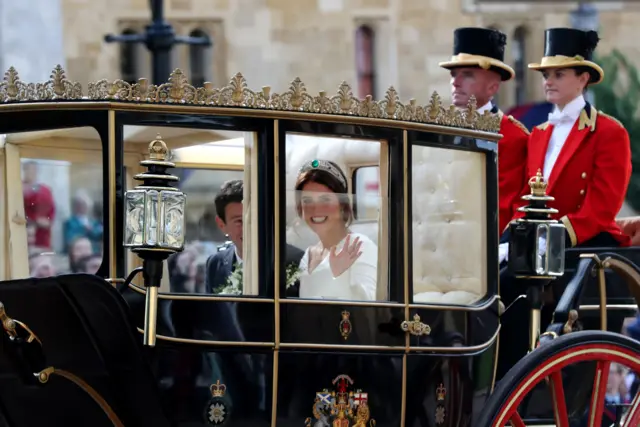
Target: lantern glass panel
152,218
134,217
550,247
173,204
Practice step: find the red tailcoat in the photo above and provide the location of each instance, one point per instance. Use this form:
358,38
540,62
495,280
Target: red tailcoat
39,203
512,156
590,178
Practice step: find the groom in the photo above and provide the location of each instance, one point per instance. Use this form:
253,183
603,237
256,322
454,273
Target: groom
229,218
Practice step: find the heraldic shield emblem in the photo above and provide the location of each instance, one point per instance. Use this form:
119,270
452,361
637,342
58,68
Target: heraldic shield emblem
340,406
218,409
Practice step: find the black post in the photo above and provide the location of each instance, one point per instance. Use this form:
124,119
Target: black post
159,37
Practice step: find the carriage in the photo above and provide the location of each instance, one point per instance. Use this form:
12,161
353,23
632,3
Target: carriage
109,223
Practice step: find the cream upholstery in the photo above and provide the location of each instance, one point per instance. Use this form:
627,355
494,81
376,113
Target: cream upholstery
449,231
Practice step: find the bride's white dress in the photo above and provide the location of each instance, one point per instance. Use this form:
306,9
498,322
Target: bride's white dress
357,283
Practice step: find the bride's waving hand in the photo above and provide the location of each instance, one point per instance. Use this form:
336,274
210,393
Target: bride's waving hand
342,261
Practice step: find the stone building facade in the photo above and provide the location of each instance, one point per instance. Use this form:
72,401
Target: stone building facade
273,41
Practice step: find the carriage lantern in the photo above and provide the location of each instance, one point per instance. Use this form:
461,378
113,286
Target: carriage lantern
536,249
154,225
537,242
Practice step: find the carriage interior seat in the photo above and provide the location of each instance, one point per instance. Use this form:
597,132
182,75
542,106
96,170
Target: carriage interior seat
449,214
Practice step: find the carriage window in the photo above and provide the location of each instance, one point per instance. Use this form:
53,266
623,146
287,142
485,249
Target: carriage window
449,214
366,192
214,168
208,231
55,193
320,207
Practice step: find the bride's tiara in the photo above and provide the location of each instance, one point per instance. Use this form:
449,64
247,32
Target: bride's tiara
326,166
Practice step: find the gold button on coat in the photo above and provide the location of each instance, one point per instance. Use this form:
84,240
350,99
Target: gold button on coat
584,175
582,192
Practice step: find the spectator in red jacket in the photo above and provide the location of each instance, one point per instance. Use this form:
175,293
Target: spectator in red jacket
39,207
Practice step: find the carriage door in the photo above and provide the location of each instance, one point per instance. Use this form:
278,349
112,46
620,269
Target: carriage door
452,315
340,347
213,357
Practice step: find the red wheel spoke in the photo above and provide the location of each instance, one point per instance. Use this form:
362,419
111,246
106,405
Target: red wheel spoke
559,401
633,416
503,410
516,420
599,393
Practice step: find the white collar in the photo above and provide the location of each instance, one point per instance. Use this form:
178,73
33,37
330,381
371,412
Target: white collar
572,109
238,257
486,107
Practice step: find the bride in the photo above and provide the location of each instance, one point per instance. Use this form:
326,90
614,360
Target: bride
343,264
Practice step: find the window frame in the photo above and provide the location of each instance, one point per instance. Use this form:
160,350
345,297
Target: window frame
490,151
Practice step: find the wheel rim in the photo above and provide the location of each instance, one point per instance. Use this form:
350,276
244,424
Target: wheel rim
551,371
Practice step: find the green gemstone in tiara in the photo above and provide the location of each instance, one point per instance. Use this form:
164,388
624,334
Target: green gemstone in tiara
325,166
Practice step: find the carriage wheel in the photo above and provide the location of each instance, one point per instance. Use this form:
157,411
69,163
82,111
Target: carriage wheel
545,364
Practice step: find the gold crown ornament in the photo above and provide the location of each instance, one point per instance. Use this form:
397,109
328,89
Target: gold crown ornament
217,389
538,185
441,392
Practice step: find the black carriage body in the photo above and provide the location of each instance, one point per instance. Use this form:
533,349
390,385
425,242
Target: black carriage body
268,359
277,353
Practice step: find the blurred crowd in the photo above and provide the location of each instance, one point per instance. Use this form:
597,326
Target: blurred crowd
187,268
82,235
82,230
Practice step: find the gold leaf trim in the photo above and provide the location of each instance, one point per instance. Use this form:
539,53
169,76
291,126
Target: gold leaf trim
519,124
618,122
177,90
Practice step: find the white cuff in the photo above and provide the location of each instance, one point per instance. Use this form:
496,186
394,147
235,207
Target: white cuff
503,252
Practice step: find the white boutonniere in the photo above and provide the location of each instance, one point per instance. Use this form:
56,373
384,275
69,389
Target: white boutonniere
293,273
233,285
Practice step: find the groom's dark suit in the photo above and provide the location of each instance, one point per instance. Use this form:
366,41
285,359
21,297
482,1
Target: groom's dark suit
221,265
220,321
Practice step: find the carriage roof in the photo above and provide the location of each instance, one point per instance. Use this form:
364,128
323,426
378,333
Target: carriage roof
237,99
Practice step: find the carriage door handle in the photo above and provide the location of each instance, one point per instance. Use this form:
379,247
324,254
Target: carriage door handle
415,326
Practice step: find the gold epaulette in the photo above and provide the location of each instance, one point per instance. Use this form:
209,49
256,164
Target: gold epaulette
543,126
519,124
611,117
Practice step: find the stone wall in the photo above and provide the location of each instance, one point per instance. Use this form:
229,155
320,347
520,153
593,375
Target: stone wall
31,37
273,41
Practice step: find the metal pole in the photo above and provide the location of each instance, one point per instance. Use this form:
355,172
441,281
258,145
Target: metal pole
160,41
157,10
160,38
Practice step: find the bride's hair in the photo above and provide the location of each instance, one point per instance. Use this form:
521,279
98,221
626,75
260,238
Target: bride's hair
327,177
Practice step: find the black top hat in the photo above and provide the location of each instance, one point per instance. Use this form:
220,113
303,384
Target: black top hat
570,48
479,47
